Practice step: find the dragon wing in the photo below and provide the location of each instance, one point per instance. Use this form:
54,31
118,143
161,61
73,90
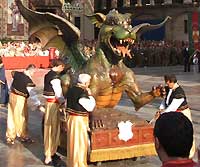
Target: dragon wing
47,27
97,19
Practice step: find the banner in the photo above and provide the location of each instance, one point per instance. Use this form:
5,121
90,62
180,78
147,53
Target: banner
195,29
15,23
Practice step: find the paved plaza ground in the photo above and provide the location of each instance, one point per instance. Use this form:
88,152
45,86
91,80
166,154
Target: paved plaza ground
31,155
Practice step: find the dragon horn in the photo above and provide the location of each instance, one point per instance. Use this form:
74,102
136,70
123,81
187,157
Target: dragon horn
147,26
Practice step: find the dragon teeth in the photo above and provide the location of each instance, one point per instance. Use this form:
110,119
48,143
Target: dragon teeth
119,51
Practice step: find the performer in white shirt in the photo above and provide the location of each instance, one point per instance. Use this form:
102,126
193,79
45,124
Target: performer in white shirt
17,121
54,97
79,104
175,101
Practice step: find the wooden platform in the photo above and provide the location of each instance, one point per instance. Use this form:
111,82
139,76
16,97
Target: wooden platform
104,141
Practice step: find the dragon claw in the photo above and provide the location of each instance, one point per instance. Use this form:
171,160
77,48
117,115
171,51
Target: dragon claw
158,91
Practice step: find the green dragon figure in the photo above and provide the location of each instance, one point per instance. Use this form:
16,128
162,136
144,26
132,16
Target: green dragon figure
110,76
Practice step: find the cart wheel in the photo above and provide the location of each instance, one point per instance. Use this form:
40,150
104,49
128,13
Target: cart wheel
98,164
134,158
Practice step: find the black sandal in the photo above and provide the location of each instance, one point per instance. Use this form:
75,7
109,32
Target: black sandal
26,140
56,157
49,163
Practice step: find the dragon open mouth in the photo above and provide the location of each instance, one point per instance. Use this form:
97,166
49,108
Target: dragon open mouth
122,46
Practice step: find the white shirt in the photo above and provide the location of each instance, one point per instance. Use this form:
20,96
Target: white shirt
174,104
88,104
56,85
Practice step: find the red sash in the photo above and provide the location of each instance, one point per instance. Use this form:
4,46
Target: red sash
52,100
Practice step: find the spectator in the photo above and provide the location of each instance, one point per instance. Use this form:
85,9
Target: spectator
54,97
3,86
186,57
196,59
173,133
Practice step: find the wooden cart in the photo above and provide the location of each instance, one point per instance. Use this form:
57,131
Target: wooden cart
104,141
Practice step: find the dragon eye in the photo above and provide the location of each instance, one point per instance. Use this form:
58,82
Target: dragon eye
128,21
112,23
125,22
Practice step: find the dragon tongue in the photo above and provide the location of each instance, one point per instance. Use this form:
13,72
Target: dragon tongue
124,51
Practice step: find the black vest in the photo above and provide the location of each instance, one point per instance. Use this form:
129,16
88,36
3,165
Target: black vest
73,96
48,89
20,83
176,94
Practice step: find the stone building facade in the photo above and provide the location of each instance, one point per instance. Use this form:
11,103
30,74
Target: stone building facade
20,31
175,29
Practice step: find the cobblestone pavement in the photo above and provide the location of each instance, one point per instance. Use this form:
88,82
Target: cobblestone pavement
31,155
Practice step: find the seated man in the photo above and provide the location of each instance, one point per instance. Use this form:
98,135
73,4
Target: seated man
173,134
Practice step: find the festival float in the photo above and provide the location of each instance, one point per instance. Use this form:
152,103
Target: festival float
113,134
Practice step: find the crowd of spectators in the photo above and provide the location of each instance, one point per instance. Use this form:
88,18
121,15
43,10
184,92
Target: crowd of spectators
157,53
146,53
88,47
12,49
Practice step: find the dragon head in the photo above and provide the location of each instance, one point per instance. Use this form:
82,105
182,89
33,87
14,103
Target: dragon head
116,33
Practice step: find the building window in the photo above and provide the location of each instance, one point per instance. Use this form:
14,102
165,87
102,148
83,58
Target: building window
133,2
177,1
120,3
100,5
77,22
185,26
96,32
97,5
108,4
159,2
103,4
